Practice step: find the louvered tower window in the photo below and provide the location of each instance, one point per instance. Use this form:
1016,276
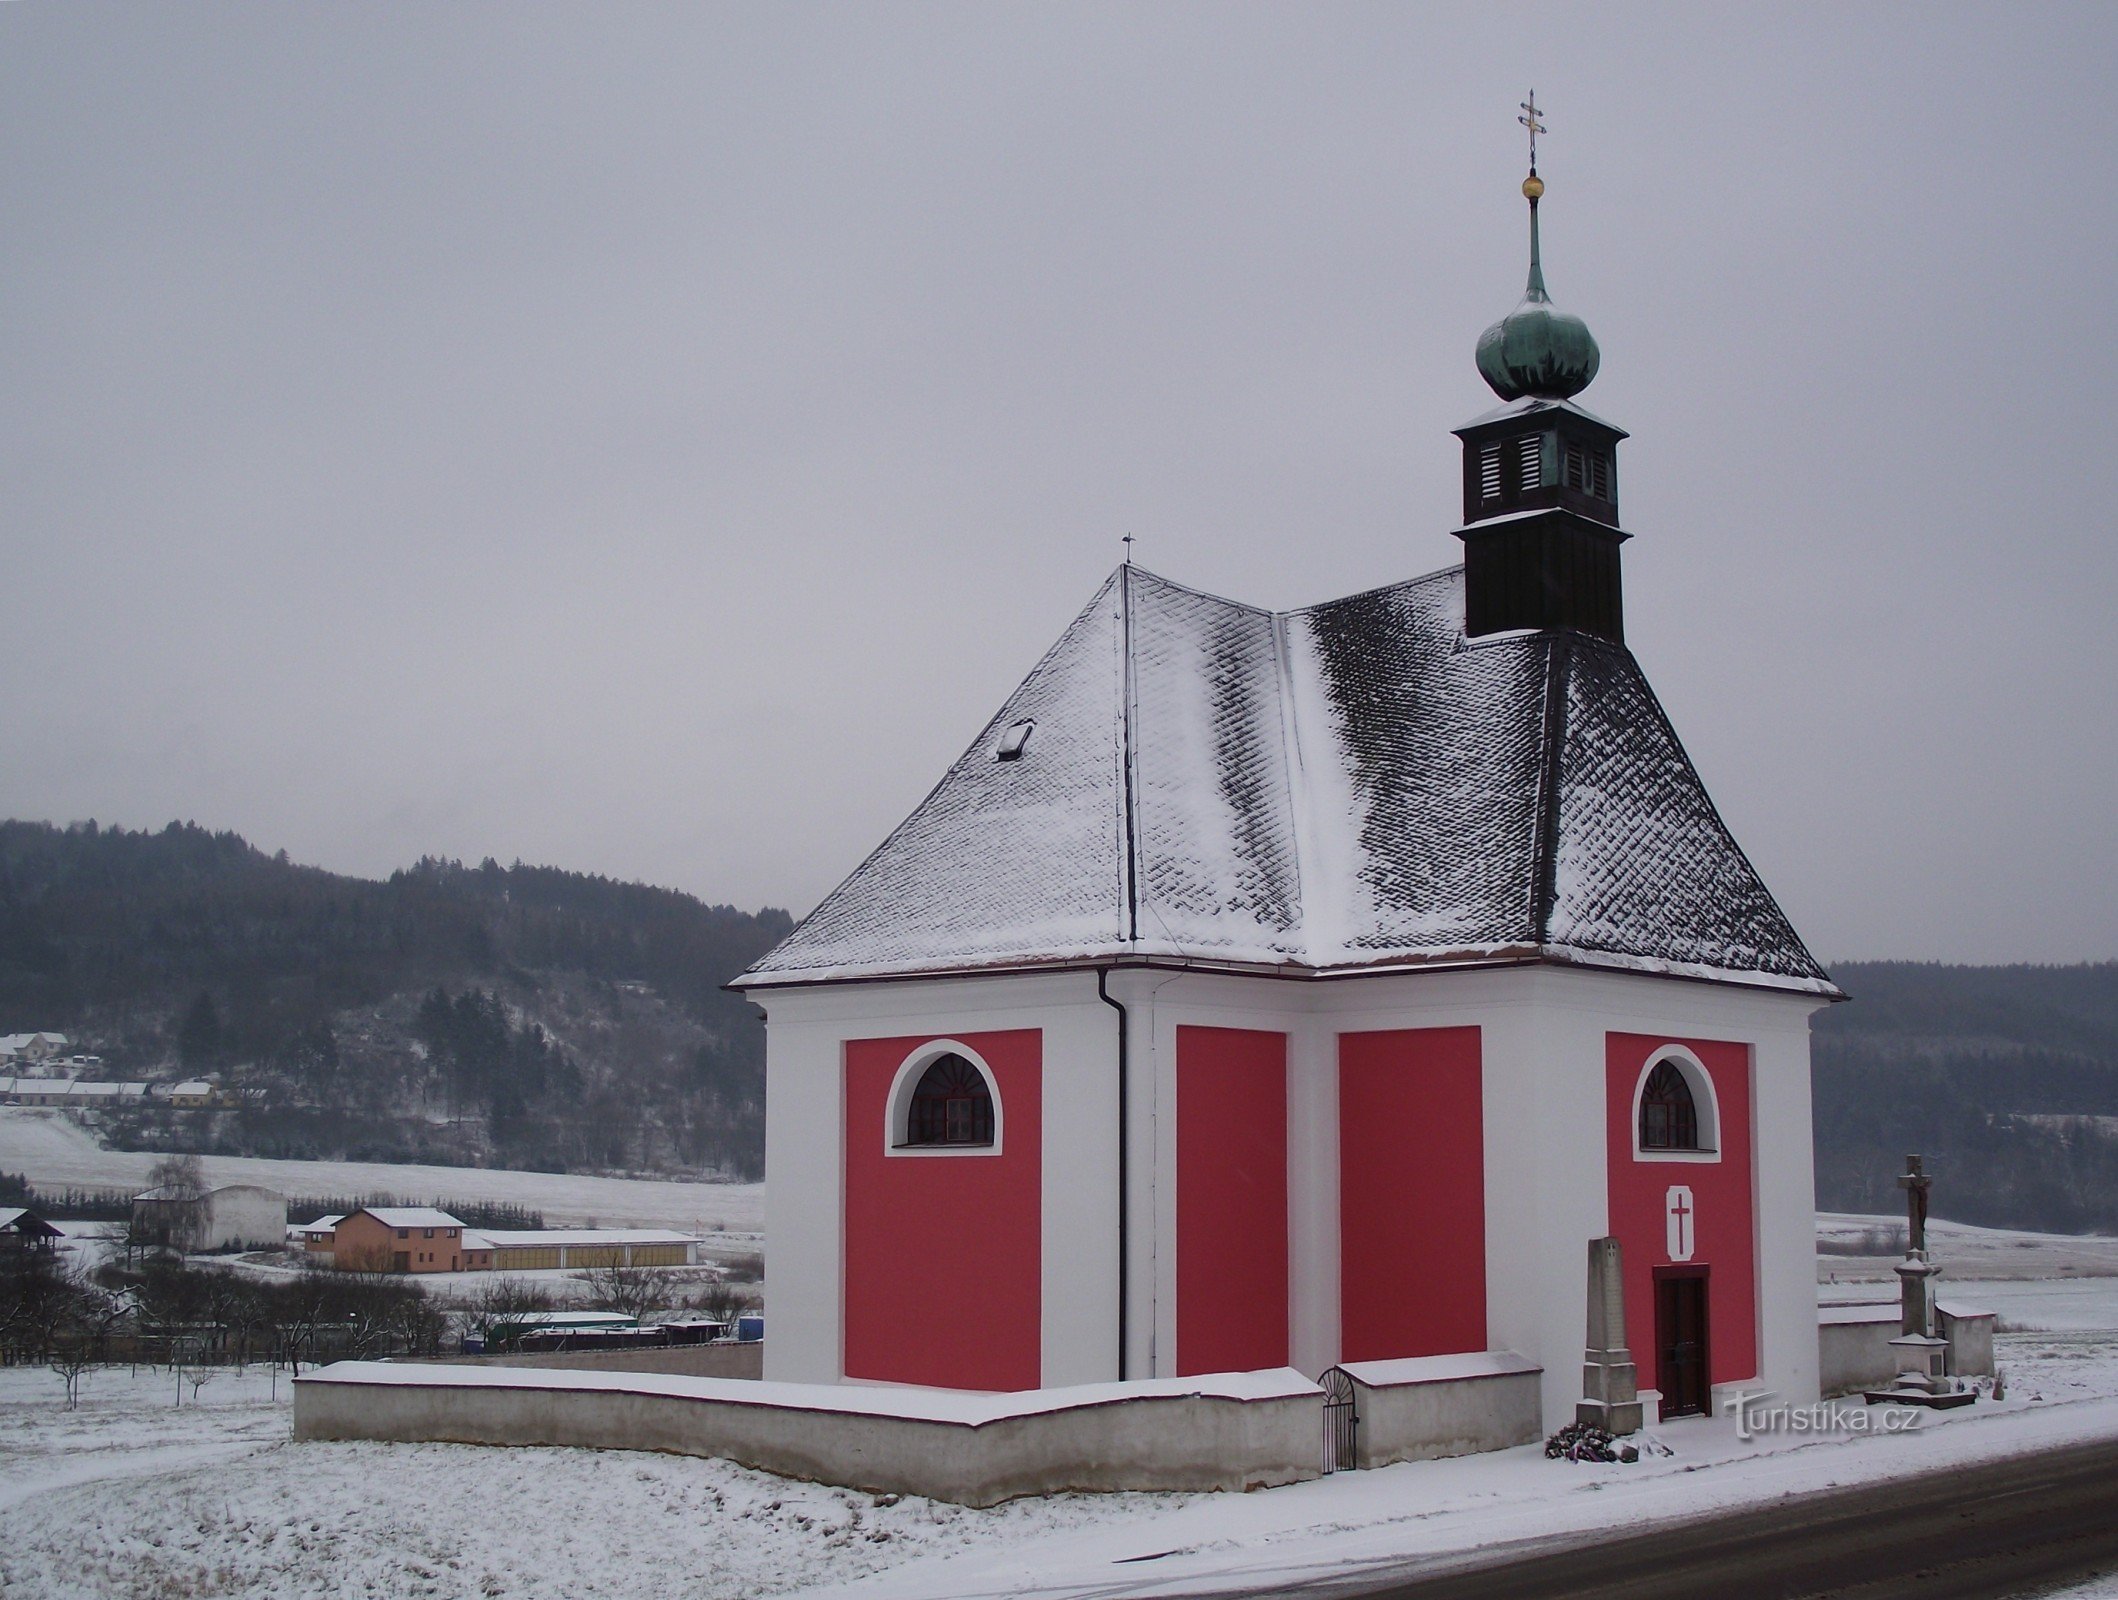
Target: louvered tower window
951,1105
1530,456
1489,473
1669,1118
1588,471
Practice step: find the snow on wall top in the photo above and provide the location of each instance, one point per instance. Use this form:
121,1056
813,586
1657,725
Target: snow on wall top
1352,785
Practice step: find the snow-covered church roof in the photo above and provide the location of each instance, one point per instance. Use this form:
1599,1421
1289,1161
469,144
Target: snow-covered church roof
1354,786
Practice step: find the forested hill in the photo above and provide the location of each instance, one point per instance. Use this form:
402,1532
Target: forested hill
517,1015
527,1016
2005,1078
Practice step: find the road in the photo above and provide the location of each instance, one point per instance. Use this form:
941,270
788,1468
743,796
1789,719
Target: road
2015,1527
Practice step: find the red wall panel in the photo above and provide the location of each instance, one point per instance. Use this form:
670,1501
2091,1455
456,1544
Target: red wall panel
944,1258
1412,1209
1232,1303
1723,1208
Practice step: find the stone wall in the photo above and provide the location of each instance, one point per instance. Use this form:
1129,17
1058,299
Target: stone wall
1226,1431
1853,1344
1433,1406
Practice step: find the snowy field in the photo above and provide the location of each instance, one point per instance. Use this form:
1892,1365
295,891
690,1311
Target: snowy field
1964,1251
133,1497
54,1152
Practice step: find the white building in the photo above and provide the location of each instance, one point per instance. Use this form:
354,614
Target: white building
1289,988
31,1049
237,1216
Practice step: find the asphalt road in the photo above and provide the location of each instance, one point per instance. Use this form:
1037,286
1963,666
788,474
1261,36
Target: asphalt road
2016,1527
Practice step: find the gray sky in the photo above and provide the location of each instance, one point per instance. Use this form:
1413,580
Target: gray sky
653,439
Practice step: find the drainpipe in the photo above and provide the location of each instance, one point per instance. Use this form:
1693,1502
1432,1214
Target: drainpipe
1124,1186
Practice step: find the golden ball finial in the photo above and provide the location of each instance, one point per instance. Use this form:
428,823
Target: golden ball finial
1533,188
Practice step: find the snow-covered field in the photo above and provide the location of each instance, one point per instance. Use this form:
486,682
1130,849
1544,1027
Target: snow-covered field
1964,1251
134,1497
54,1152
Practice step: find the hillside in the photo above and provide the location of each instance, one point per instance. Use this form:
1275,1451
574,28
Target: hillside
531,1017
507,1016
1998,1075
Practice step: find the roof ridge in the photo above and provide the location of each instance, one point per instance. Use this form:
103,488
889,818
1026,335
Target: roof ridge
1436,576
1196,593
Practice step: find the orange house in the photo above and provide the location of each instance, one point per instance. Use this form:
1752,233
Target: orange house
398,1239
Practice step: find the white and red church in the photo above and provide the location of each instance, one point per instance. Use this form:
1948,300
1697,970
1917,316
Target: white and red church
1289,988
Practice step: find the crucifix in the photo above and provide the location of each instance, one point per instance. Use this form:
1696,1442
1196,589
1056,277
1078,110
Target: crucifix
1915,1182
1529,120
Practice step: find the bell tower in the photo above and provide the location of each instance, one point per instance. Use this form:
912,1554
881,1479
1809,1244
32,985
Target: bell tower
1540,474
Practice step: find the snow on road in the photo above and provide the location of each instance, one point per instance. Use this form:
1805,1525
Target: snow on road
53,1152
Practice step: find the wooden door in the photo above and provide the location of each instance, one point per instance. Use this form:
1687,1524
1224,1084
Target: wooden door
1681,1370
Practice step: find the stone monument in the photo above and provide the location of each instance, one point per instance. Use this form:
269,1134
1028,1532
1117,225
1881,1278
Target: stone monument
1922,1376
1610,1384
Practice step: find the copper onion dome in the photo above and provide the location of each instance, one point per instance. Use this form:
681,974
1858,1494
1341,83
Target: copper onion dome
1537,349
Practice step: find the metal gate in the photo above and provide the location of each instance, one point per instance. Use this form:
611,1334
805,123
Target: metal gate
1339,1421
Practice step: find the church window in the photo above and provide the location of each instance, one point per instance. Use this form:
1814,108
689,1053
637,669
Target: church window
950,1106
1012,742
1669,1116
1489,473
1588,471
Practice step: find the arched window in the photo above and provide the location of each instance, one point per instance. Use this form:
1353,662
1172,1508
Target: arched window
1669,1117
951,1105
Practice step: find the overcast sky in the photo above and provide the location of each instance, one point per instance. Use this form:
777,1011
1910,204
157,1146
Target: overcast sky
653,439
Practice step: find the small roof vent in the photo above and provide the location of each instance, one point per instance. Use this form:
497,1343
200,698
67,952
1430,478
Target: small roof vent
1014,739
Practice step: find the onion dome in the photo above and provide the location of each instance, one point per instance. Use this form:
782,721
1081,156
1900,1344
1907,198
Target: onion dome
1537,349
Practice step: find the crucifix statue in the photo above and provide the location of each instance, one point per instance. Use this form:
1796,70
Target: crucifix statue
1915,1182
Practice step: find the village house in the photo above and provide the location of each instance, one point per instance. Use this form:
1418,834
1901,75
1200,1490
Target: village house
24,1230
422,1239
31,1049
397,1239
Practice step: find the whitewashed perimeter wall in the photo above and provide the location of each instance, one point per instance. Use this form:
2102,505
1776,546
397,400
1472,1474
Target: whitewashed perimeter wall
1235,1431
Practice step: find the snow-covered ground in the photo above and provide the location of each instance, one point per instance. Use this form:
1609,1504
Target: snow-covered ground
132,1497
53,1152
1964,1251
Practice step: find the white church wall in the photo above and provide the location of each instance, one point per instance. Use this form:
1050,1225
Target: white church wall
1165,1002
804,1191
1546,1182
1584,1005
1542,1078
805,1144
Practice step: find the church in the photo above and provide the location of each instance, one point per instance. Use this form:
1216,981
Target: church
1290,988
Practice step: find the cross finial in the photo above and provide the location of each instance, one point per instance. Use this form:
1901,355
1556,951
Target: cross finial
1128,549
1529,120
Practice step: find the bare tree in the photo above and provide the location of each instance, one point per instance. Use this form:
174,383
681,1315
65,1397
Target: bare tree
630,1291
722,1301
502,1300
175,1216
